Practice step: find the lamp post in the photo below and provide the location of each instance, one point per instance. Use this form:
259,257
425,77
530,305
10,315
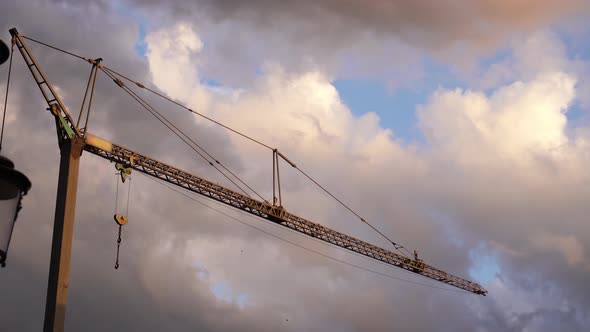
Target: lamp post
13,186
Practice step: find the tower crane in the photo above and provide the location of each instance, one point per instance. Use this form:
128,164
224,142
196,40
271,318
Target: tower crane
74,138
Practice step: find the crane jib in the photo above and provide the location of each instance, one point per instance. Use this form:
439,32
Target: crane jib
68,131
276,214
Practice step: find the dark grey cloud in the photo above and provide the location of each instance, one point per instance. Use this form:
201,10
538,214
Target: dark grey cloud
427,23
377,38
431,23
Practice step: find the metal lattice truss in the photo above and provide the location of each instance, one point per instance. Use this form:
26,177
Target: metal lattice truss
273,213
69,130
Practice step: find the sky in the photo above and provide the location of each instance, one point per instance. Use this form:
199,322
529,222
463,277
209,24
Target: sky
460,129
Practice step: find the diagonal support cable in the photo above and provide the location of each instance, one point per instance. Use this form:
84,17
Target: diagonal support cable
184,137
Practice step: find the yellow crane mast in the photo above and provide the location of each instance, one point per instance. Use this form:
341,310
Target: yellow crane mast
74,139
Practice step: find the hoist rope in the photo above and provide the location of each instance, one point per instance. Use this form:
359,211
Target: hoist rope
117,191
6,95
119,239
112,73
128,198
117,194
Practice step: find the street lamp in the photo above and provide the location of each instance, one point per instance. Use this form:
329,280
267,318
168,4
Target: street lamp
13,186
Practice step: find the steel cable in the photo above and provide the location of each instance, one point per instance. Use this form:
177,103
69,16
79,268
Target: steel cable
56,48
178,132
186,108
110,72
395,245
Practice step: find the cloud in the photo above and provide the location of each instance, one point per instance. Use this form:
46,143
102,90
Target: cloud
489,158
517,120
383,39
180,44
569,246
532,54
427,23
500,170
528,56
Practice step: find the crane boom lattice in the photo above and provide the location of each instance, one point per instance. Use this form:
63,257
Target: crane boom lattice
273,213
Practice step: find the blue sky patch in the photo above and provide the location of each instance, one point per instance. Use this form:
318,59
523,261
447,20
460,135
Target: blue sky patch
396,109
396,106
142,22
485,266
222,292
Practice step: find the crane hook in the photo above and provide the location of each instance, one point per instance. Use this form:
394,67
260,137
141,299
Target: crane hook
121,219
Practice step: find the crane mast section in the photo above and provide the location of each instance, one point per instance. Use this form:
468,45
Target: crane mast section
273,213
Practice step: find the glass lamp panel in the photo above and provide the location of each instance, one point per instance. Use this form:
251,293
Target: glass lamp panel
8,187
7,213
